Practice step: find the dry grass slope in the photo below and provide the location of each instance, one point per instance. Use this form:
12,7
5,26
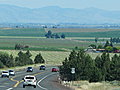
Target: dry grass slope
51,57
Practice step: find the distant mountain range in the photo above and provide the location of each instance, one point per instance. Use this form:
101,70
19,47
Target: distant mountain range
54,14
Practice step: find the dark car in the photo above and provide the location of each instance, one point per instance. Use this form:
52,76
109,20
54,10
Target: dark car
42,67
30,69
55,70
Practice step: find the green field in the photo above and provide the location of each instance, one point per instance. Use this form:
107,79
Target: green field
40,43
34,38
77,32
69,32
34,32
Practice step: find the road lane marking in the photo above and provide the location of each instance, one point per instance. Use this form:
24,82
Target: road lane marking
18,82
42,80
9,88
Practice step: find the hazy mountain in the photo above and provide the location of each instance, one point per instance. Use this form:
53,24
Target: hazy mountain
54,14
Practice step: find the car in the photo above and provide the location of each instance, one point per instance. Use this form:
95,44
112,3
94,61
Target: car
29,69
11,72
29,80
55,70
5,74
42,67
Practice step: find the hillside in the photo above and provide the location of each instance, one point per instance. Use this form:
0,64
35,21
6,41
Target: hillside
54,14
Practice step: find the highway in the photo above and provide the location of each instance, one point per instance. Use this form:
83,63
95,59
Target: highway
46,80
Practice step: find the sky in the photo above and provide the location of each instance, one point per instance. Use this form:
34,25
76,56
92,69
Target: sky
79,4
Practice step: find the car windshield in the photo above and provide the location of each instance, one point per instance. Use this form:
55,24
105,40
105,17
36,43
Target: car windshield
29,67
42,66
11,71
5,72
29,77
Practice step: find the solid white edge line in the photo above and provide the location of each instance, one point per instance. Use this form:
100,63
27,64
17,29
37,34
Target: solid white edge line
9,88
42,80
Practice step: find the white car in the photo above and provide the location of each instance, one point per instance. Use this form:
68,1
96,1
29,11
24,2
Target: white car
5,74
29,80
11,73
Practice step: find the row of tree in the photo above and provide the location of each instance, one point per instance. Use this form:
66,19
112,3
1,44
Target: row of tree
102,46
102,68
21,47
54,35
115,40
22,59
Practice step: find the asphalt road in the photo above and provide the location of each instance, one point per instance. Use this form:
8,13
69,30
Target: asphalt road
46,80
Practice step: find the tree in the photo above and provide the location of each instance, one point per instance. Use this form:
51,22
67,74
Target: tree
106,44
103,64
20,47
11,61
111,39
93,46
111,44
23,59
45,26
57,36
109,49
101,69
63,36
115,68
96,39
39,59
7,60
82,63
1,65
96,75
49,34
100,47
28,53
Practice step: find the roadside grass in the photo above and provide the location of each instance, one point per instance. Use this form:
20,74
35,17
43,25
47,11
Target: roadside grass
85,85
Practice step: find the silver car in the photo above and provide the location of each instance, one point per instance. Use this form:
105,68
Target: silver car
11,72
5,74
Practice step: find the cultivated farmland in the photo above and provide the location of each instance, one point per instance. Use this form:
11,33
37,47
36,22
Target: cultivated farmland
34,38
86,32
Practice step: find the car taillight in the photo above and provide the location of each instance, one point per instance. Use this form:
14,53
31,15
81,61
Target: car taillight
34,80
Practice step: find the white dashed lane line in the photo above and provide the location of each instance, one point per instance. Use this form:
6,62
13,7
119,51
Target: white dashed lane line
9,89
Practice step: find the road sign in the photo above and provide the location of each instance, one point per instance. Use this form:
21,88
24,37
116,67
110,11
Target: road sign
73,70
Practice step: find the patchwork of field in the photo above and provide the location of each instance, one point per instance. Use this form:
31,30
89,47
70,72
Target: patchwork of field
34,38
40,43
22,32
86,32
57,30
